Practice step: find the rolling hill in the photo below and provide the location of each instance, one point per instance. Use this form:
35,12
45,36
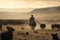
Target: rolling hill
47,10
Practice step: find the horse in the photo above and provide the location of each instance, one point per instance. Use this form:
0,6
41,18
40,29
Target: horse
32,25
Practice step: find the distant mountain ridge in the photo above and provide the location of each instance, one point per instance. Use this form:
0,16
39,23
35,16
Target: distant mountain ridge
47,10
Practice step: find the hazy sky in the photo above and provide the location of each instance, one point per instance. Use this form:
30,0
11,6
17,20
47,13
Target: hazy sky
28,3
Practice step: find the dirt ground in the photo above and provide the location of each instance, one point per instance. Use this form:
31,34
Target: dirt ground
35,35
27,34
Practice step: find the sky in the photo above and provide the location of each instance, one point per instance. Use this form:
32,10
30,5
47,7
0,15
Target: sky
7,5
10,4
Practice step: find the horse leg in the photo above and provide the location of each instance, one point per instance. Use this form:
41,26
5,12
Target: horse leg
32,28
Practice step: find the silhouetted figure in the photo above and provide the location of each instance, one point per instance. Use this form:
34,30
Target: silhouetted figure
32,22
9,33
55,36
3,36
32,18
